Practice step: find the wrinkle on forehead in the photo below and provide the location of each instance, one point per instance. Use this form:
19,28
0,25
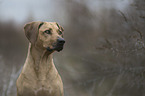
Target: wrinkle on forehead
48,25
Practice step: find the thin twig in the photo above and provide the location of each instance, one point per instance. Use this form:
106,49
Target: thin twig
125,18
140,33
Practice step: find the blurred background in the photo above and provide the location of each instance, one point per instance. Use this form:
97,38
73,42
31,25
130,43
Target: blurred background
104,54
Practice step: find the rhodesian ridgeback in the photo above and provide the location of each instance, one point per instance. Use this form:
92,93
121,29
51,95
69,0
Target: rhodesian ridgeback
39,77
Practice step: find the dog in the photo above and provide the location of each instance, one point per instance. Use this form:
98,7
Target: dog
39,77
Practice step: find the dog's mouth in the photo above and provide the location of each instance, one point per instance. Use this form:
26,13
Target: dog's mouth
57,47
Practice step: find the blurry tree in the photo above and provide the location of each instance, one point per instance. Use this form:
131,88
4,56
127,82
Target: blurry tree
12,55
117,67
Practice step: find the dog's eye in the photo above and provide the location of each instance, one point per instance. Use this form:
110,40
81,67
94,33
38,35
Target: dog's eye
47,32
60,32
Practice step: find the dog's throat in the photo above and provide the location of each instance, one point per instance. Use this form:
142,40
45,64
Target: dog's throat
43,62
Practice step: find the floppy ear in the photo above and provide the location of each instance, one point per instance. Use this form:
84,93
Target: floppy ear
31,31
60,27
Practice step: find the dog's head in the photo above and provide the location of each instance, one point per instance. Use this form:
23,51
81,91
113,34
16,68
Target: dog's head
45,35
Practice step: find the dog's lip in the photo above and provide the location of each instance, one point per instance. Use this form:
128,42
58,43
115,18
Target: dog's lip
49,49
57,48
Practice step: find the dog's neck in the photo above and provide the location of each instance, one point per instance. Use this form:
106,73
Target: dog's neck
41,58
40,61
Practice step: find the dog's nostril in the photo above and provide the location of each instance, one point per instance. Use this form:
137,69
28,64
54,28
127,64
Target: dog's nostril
61,40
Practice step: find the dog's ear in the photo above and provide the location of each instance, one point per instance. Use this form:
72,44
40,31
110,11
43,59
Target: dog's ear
60,27
31,31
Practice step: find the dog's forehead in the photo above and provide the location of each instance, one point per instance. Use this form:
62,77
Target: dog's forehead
52,25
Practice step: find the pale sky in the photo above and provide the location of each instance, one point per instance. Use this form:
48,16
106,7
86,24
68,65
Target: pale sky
19,10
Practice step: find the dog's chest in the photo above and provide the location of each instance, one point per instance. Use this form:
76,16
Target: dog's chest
43,88
42,91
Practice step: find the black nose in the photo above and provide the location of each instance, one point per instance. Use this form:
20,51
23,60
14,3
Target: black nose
60,40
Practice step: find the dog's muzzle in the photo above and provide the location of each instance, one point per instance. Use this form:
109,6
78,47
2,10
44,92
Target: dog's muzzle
59,45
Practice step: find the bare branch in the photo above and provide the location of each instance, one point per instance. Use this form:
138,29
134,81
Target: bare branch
140,33
125,18
143,17
115,85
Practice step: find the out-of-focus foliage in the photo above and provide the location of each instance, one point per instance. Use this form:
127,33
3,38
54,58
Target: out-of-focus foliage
103,55
12,55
